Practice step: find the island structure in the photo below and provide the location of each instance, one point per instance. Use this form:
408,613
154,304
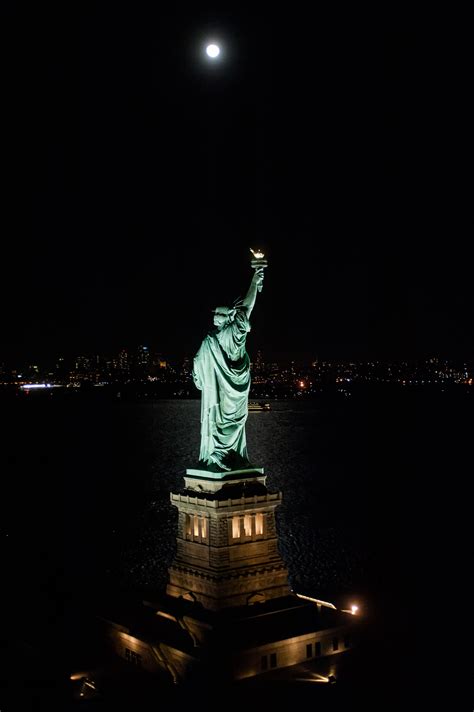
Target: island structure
228,610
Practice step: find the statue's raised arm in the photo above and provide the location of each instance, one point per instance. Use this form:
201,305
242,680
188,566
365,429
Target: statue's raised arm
257,281
221,371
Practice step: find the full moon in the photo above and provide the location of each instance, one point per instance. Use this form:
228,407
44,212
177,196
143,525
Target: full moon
213,51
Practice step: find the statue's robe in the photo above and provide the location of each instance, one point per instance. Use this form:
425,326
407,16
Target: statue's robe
221,371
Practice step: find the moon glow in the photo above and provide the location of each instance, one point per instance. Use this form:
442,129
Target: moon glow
213,51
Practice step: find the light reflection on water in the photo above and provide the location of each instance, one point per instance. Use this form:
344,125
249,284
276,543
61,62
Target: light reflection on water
314,454
88,482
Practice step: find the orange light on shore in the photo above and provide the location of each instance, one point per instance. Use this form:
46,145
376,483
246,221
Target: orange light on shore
353,610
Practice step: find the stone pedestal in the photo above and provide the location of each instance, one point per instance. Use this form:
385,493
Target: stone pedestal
227,553
206,628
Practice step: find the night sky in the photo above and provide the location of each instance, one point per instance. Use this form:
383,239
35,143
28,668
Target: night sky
137,175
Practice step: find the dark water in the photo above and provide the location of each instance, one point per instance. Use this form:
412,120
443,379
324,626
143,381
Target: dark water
367,485
89,482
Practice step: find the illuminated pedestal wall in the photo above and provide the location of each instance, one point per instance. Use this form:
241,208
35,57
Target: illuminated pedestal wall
228,612
235,649
227,548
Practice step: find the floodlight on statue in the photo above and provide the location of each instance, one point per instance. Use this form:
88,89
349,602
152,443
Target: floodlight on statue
258,262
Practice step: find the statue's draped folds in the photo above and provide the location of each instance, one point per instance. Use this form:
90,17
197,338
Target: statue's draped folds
221,371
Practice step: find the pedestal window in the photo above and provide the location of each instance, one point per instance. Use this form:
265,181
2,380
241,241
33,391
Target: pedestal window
196,527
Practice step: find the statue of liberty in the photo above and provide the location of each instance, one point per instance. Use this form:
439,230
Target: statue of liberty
221,371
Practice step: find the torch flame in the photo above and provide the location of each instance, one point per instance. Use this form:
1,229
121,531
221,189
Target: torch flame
258,255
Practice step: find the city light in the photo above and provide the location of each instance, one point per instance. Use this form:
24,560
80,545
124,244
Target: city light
143,364
354,610
27,386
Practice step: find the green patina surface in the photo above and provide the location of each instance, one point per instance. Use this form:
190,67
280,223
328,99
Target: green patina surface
221,371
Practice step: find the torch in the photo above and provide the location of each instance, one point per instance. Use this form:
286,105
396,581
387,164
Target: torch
258,260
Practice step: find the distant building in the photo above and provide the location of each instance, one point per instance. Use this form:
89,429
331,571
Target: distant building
143,356
123,361
83,363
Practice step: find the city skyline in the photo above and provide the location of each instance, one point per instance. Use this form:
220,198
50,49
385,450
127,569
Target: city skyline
47,358
271,378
